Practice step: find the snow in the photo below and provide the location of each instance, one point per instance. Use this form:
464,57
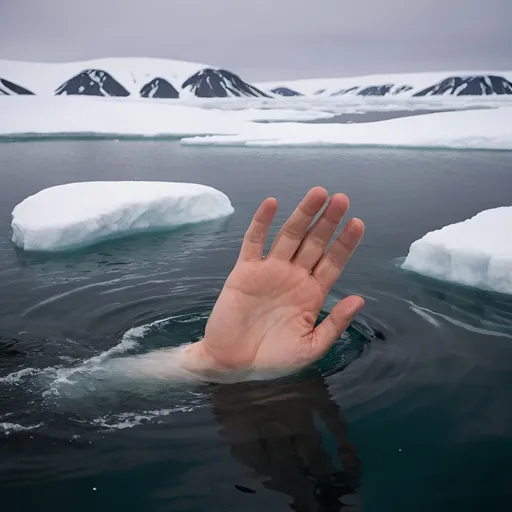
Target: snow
78,214
471,129
476,252
73,115
116,117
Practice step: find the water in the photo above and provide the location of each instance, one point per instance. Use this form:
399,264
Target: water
411,409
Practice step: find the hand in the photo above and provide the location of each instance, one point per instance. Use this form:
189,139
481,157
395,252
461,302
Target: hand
264,318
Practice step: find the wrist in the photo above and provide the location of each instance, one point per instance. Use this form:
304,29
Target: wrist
197,360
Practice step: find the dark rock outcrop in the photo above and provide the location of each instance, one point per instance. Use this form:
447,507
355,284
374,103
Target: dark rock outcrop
402,88
348,90
476,85
159,88
374,90
10,88
92,82
220,83
285,91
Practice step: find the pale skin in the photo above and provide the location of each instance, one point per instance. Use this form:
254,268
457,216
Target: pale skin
264,318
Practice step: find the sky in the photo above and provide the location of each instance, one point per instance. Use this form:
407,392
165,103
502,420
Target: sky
267,39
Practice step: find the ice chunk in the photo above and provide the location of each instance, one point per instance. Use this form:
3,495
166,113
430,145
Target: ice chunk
78,214
476,252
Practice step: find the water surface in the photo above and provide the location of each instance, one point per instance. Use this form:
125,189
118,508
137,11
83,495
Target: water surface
411,409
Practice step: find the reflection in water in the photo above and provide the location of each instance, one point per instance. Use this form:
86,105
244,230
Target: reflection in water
282,433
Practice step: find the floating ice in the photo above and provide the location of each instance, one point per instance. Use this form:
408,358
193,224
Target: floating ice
471,129
79,214
476,252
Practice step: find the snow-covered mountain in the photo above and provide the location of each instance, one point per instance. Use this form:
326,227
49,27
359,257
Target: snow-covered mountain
172,79
159,88
373,90
8,88
476,85
92,82
121,77
488,83
285,91
219,83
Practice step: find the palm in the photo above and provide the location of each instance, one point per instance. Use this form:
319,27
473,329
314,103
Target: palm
265,315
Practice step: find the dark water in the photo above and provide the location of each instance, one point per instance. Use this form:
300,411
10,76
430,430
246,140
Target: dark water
411,409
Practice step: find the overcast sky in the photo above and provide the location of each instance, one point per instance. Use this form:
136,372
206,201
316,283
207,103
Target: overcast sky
267,39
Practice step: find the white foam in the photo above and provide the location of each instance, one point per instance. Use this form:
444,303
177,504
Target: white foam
476,252
78,214
8,428
17,377
125,420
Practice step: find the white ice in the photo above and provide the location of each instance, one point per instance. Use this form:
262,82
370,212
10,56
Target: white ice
471,129
476,252
73,115
79,214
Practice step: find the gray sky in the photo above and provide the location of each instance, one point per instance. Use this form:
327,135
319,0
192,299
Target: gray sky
267,39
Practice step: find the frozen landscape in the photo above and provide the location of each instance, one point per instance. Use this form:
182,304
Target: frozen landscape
176,99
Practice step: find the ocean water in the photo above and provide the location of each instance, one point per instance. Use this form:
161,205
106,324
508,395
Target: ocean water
410,410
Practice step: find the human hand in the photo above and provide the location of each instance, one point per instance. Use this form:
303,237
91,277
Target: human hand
264,319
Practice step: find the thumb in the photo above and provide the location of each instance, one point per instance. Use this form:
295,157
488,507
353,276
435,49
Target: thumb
331,328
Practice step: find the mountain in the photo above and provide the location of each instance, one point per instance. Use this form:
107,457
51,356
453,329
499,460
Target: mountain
285,91
404,85
342,92
374,90
92,82
219,83
159,88
7,87
477,85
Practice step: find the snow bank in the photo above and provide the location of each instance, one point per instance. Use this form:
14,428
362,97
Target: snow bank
475,129
71,115
476,252
76,115
78,214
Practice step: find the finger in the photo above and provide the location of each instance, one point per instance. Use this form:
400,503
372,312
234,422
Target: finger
331,328
256,234
313,246
329,268
291,234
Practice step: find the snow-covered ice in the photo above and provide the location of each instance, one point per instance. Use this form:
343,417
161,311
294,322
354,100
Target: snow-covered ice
76,115
78,214
72,115
476,252
471,129
23,116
